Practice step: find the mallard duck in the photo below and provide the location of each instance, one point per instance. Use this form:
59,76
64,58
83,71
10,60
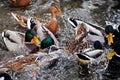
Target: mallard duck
95,32
52,24
79,42
113,67
44,35
22,61
91,54
5,76
113,33
19,3
15,41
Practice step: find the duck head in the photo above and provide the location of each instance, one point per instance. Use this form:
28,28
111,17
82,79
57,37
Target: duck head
31,24
5,76
109,31
98,45
74,22
47,42
55,9
30,36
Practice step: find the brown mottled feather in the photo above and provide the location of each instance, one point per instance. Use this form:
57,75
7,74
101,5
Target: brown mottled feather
19,3
21,63
79,43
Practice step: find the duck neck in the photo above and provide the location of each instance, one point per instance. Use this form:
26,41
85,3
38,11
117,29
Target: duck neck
53,15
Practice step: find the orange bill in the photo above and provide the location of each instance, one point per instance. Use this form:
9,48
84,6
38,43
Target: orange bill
60,13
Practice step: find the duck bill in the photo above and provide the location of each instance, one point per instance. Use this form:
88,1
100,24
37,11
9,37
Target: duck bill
60,13
35,40
110,39
84,61
110,54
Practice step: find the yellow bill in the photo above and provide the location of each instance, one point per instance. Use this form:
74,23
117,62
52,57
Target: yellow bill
41,50
110,54
35,40
110,38
83,61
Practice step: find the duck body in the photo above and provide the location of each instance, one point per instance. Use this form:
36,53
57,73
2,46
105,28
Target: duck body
15,41
53,26
19,3
79,42
114,62
95,33
5,76
91,54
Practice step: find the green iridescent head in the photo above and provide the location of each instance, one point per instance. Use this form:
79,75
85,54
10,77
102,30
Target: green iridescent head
30,33
47,42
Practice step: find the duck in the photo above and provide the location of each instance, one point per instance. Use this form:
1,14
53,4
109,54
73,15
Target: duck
79,42
112,33
19,3
23,61
52,24
89,55
17,42
114,59
46,37
28,42
95,33
5,76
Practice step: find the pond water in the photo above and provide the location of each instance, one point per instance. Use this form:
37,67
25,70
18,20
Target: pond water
91,11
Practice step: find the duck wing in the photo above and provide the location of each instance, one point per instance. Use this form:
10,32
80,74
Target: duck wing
22,20
79,42
13,39
43,32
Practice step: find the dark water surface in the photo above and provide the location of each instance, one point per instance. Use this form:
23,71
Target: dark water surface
92,11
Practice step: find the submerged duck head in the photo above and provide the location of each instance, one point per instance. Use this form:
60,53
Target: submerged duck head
98,45
30,36
109,31
47,42
5,76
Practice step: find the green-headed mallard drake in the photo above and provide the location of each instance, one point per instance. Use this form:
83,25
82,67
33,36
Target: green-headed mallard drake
80,41
5,76
114,59
19,3
89,54
15,41
95,32
52,24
